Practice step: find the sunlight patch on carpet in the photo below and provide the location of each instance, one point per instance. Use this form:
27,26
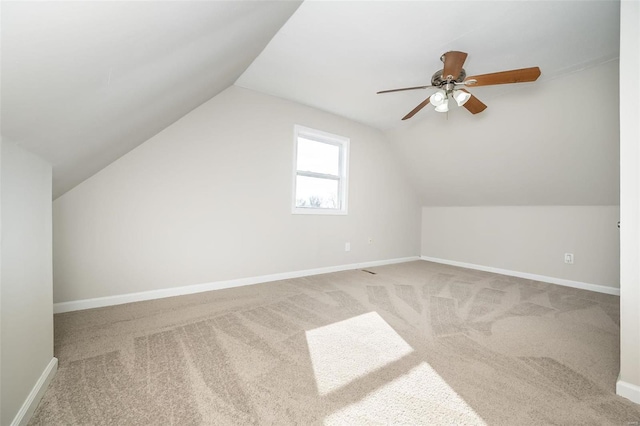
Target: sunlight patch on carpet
347,350
419,397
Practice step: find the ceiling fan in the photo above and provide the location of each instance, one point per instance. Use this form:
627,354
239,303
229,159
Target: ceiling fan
449,79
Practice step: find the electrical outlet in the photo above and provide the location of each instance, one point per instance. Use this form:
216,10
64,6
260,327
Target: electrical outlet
568,258
347,246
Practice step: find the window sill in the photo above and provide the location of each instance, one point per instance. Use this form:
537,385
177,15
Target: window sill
334,212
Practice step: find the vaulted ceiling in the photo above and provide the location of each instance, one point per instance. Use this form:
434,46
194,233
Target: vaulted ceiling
336,56
85,82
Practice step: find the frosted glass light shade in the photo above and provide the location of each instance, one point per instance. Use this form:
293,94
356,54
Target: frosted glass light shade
444,106
438,98
461,97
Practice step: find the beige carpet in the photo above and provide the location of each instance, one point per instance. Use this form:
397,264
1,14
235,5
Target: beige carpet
414,343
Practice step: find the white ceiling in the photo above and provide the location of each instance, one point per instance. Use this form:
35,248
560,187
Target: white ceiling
335,55
85,82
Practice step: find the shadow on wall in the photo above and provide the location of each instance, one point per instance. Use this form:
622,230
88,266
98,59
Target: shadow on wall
415,343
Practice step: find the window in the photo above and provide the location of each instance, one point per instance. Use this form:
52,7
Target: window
320,172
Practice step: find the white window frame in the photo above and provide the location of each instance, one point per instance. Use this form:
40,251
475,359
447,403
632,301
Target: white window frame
343,169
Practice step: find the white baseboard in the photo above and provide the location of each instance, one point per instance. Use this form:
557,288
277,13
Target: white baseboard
100,302
560,281
628,390
36,394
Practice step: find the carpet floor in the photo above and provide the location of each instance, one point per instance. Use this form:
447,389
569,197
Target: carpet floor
409,344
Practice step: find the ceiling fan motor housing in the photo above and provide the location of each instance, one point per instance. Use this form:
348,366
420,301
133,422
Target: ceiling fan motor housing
438,80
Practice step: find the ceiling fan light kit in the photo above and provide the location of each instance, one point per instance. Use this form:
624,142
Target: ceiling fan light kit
452,75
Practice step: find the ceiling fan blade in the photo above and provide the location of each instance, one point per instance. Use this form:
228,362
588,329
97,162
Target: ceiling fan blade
453,62
474,105
400,90
504,77
416,109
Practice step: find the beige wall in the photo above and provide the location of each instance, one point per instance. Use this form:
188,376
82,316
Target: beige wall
530,239
26,293
629,382
209,199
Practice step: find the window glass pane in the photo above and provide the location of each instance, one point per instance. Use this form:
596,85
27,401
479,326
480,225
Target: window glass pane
318,157
317,193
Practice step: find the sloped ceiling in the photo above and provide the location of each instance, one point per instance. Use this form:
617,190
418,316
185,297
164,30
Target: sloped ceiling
336,55
85,82
551,142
